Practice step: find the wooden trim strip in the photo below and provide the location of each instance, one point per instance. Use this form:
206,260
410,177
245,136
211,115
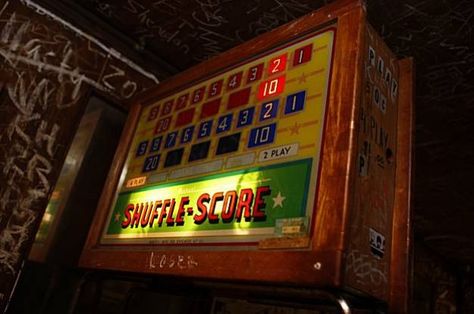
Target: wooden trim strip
402,233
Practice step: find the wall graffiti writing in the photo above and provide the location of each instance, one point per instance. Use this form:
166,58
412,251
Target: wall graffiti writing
374,129
172,261
200,29
444,60
366,269
26,163
203,25
112,53
33,46
47,68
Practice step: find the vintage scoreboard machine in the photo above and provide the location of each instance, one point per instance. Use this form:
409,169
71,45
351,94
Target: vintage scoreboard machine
285,160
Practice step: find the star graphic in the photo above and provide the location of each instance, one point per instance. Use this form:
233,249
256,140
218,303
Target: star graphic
302,78
294,129
278,200
117,217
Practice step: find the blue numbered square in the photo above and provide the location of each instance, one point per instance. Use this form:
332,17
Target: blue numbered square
187,134
224,123
205,129
171,139
295,102
245,117
155,144
269,110
151,163
262,135
141,149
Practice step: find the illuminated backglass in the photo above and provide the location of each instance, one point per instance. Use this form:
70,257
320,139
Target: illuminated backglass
233,158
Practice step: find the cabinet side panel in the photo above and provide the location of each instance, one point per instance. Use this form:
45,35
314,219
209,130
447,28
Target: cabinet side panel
367,266
402,230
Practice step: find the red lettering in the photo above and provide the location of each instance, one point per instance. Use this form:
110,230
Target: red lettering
146,214
228,208
155,213
258,213
170,219
126,212
179,216
166,203
244,204
136,215
204,198
213,218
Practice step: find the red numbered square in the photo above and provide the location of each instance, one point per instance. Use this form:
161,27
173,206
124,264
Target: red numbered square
271,88
234,80
215,89
277,64
167,107
162,125
153,113
182,101
255,73
198,95
303,54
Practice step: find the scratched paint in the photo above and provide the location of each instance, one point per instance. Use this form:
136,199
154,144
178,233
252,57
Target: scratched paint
172,261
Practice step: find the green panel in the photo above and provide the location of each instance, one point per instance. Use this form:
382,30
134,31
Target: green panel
284,186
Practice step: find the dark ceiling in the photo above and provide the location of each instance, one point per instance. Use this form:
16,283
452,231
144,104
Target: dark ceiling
167,36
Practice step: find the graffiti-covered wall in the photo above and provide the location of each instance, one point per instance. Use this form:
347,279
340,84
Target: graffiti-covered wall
48,68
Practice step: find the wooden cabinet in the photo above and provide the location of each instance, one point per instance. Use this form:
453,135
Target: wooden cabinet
284,160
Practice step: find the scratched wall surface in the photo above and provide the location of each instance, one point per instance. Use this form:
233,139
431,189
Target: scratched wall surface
436,285
439,35
370,233
46,73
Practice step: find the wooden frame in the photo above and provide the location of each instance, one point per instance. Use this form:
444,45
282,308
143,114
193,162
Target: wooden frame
323,264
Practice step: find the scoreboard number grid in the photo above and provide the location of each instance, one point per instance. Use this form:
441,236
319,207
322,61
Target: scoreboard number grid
249,130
